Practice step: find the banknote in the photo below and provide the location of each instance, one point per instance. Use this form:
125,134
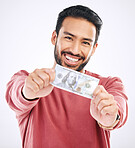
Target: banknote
75,82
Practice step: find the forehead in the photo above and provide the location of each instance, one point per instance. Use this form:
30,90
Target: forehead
78,26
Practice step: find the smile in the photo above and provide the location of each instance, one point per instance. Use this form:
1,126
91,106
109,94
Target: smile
71,59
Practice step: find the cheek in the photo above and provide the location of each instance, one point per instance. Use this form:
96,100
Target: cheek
87,52
60,46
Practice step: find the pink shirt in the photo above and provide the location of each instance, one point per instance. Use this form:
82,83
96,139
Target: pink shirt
62,119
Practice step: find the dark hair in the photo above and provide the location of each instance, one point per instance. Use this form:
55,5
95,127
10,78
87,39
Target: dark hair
80,11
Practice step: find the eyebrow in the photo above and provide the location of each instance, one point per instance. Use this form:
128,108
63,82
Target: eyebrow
69,34
87,39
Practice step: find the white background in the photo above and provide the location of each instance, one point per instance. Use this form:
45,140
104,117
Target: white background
25,43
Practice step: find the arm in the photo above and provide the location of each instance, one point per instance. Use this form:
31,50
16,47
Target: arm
21,86
109,102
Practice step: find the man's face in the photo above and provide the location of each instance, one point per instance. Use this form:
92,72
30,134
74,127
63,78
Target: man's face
74,44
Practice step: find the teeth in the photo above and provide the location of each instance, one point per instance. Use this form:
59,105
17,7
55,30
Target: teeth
71,59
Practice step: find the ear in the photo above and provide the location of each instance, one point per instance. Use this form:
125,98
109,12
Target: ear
94,49
54,37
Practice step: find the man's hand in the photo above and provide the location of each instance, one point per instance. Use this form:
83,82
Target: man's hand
37,84
103,107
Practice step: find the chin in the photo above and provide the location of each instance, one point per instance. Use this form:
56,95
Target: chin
78,68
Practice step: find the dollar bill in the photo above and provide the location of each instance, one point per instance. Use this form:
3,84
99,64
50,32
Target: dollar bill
75,82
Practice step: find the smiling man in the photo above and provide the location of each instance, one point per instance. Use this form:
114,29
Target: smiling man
49,117
75,43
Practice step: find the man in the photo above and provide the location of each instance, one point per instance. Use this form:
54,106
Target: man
49,117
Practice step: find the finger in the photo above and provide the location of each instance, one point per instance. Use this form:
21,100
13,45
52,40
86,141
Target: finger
100,96
98,90
32,85
51,73
37,80
112,109
93,109
46,80
44,76
104,103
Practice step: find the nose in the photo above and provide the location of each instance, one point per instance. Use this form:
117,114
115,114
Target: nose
76,48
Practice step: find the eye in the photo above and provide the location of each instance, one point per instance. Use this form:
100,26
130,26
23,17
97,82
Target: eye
68,38
86,43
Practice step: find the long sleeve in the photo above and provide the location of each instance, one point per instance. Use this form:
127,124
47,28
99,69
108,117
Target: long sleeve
115,87
14,97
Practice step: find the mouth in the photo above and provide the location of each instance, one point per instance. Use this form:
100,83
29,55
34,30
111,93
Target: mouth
72,60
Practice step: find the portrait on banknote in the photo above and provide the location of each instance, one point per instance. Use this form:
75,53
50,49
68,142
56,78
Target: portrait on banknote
68,81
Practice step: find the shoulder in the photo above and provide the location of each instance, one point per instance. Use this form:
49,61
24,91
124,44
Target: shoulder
108,82
19,76
21,73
